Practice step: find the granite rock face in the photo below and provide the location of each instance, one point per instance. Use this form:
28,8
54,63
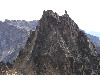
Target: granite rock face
57,47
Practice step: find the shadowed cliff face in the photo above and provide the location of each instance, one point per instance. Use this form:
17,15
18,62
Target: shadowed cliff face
57,47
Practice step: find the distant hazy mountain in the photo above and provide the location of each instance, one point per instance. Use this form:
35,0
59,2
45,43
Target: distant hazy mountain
13,37
22,24
94,33
95,40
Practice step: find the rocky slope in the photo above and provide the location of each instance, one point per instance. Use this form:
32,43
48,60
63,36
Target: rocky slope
6,69
57,47
13,37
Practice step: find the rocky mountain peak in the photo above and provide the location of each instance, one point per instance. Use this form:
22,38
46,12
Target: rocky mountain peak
53,14
57,47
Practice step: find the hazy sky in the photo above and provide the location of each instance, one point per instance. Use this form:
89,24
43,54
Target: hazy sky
86,13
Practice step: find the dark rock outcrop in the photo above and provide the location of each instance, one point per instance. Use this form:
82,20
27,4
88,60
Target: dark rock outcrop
57,47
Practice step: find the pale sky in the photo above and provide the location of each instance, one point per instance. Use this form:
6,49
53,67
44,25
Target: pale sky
86,13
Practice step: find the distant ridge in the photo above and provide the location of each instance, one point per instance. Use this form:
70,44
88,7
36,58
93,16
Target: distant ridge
94,33
13,37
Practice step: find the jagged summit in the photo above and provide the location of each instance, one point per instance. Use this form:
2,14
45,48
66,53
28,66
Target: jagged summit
53,14
49,13
57,47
